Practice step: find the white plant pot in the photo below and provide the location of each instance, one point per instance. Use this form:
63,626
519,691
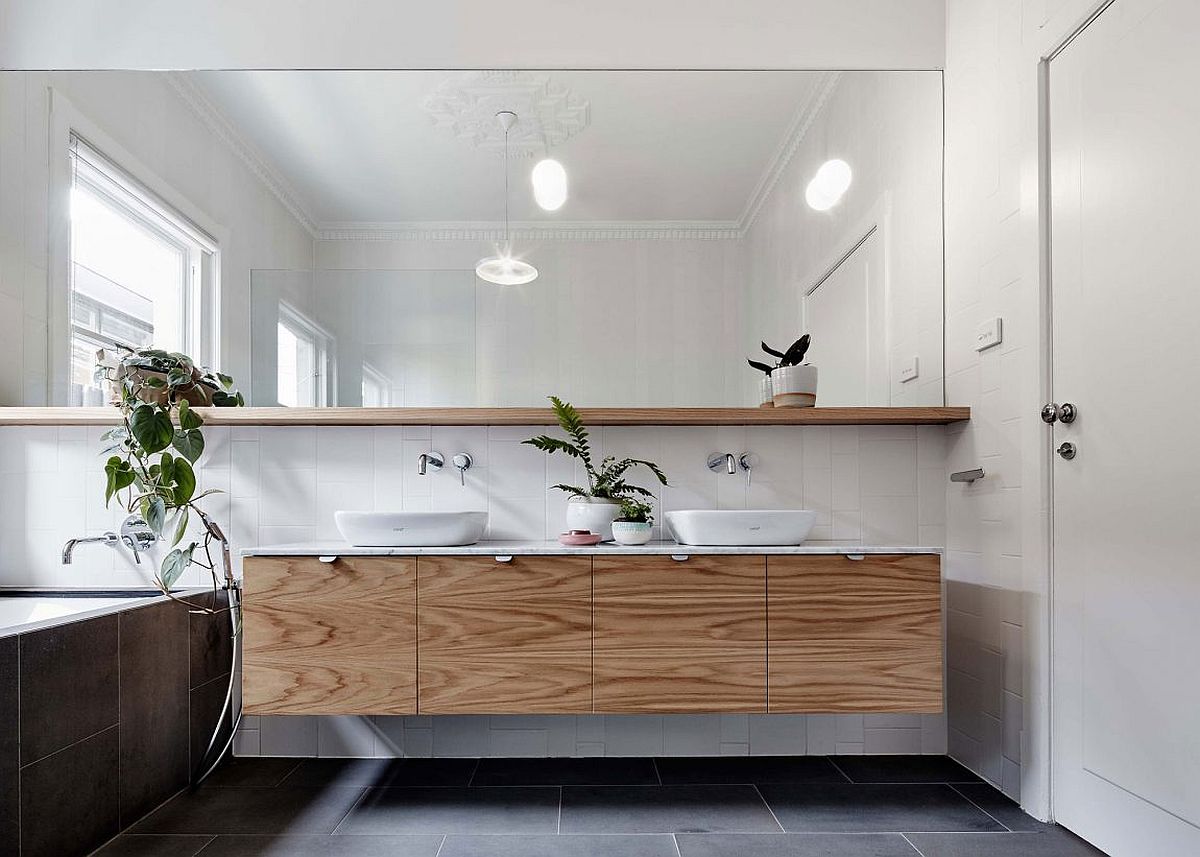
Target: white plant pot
795,386
592,513
766,392
631,532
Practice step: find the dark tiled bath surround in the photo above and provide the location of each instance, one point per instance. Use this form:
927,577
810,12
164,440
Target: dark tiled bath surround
838,806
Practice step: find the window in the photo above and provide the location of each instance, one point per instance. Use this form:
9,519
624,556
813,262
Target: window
376,388
304,360
140,272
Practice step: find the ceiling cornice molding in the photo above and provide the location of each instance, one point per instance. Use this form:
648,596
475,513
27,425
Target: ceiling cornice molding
258,163
664,230
797,131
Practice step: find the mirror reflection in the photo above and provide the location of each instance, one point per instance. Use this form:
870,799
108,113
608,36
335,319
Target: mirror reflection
480,238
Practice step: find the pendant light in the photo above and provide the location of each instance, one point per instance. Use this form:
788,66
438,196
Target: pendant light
502,269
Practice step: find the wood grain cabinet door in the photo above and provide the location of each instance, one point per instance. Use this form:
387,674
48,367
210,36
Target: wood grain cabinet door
680,636
505,637
330,638
855,635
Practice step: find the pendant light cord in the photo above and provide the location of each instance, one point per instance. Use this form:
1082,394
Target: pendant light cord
506,241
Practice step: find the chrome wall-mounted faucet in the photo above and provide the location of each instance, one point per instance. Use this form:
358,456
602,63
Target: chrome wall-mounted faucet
463,462
135,534
722,459
429,461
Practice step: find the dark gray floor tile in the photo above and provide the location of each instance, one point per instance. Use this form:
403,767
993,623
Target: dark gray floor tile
749,769
454,810
324,846
382,773
69,802
1053,842
665,809
75,693
874,809
154,846
261,811
154,706
595,771
904,769
996,804
796,845
559,846
251,772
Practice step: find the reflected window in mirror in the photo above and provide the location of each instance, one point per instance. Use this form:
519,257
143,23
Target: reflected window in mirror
376,388
305,360
139,270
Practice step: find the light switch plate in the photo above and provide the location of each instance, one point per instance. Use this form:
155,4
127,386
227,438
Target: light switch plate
909,369
989,334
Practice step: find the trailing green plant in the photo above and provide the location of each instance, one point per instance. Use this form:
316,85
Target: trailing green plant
606,480
151,454
636,512
792,357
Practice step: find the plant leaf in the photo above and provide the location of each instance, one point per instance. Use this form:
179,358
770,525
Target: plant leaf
226,380
151,427
175,564
179,525
120,476
571,489
771,350
154,511
185,481
796,353
189,419
189,444
551,445
761,367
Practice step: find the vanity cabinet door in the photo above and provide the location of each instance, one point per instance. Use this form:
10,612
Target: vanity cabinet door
855,635
505,637
330,638
680,636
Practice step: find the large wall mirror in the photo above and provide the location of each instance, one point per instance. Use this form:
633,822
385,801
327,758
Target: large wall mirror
318,235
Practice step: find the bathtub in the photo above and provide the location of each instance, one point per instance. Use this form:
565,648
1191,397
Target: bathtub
24,610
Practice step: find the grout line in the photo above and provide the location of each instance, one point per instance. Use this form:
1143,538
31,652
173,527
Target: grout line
283,780
758,792
904,836
358,800
978,807
838,768
558,824
203,847
657,772
675,841
441,845
474,771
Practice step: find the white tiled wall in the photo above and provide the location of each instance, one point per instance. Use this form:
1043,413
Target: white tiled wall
869,485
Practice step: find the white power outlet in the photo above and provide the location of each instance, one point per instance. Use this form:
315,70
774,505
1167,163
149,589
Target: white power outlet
989,334
910,369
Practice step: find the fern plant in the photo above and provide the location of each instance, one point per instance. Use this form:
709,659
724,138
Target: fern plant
606,480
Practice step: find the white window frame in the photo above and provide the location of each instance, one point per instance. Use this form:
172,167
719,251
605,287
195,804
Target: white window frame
324,347
383,382
202,305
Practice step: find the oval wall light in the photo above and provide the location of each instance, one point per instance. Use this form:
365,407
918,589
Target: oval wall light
828,185
549,184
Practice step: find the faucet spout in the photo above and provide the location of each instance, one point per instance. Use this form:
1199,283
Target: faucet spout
69,547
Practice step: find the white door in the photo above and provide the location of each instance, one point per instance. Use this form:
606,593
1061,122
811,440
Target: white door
1124,126
844,311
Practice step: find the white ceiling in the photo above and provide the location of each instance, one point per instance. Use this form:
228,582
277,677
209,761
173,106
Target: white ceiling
357,147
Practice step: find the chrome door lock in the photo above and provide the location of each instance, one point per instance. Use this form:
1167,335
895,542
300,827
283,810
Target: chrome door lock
1067,450
1066,412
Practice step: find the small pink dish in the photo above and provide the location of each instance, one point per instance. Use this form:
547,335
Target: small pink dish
579,538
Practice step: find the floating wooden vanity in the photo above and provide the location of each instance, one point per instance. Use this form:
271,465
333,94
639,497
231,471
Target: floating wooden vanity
603,632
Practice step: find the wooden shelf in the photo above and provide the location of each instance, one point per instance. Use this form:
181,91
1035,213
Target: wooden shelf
511,416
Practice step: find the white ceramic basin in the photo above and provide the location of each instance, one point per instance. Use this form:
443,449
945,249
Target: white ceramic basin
410,529
740,526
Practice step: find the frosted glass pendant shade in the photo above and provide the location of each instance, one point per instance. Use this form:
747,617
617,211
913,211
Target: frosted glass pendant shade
549,184
827,186
505,271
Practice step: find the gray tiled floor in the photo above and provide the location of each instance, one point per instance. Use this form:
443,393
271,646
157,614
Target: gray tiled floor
746,807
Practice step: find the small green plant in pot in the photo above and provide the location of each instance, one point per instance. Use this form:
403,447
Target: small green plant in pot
634,524
593,507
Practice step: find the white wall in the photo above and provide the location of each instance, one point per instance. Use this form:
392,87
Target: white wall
471,34
146,116
869,485
887,126
997,528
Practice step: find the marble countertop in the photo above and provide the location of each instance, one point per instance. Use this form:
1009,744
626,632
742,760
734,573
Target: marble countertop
553,548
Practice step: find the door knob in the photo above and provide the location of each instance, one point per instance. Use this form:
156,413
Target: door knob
1066,450
1053,412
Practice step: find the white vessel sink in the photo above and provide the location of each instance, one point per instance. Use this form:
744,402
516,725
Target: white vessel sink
737,527
410,529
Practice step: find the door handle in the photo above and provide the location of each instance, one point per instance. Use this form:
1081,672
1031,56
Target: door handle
1067,450
1053,412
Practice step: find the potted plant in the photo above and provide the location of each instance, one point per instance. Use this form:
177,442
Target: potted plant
595,507
766,390
793,383
149,472
632,526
